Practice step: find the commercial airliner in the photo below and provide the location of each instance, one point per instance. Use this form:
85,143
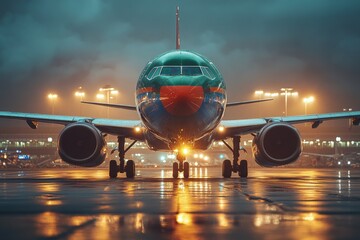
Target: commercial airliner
181,100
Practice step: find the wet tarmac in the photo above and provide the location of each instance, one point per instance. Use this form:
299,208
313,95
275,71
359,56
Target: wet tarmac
281,203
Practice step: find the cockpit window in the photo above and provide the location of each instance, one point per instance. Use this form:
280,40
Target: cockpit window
191,71
149,76
180,70
212,76
157,72
171,71
208,73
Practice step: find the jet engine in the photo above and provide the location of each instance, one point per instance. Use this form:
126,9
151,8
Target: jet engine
277,144
82,144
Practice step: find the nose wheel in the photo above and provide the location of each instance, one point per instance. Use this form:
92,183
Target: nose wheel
186,169
182,166
175,170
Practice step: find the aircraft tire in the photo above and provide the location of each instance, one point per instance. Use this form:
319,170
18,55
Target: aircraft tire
130,169
186,169
113,169
243,170
175,170
226,168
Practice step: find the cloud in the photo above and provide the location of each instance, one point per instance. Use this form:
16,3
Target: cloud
60,45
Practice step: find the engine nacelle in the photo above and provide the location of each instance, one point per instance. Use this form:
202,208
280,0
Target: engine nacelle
82,144
277,144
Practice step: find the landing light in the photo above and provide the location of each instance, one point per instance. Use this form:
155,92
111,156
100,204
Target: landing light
137,129
221,128
185,151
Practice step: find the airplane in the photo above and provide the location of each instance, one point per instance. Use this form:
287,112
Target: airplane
181,99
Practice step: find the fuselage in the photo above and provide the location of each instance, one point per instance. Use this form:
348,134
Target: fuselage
181,99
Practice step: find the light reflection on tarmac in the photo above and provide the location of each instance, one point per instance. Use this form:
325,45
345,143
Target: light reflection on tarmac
280,203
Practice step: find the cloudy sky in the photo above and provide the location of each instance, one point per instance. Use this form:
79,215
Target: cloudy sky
47,46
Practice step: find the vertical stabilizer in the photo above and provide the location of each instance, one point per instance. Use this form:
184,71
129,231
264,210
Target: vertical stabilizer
177,28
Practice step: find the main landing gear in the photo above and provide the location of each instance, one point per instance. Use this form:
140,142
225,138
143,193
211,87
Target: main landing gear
128,168
242,168
182,166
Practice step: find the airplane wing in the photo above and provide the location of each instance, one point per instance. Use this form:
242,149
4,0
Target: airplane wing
110,126
232,104
246,126
121,106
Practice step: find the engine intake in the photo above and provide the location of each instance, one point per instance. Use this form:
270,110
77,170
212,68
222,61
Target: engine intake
277,144
82,144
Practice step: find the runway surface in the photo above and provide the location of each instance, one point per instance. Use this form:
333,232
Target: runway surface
281,203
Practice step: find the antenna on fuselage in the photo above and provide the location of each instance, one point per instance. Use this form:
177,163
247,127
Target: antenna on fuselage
177,28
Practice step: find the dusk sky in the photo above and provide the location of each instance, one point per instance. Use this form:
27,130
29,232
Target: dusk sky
47,46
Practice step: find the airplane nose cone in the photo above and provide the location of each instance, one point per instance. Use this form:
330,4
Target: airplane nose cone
182,100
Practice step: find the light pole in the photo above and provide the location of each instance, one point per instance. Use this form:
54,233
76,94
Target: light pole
80,94
260,94
100,97
52,97
108,91
288,92
114,93
307,101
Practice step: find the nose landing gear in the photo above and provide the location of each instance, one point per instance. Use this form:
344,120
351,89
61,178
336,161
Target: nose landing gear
242,168
182,166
